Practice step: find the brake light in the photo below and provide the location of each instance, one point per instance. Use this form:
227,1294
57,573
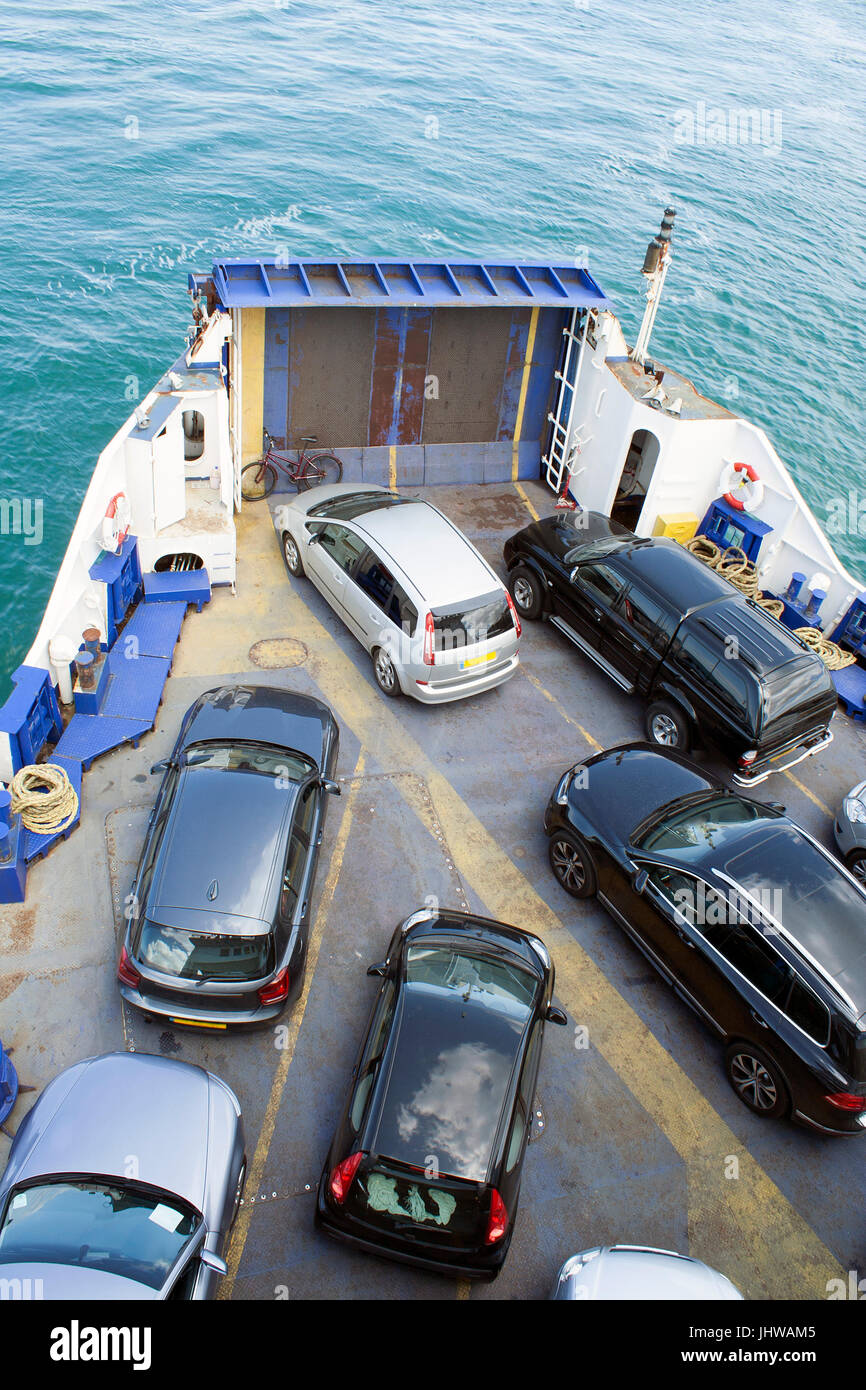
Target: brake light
277,990
845,1100
429,632
126,971
513,613
747,758
341,1177
497,1221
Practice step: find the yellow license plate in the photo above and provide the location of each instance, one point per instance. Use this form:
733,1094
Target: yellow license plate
197,1023
478,660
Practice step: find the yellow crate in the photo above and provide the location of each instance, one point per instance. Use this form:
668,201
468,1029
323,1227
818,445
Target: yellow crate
681,526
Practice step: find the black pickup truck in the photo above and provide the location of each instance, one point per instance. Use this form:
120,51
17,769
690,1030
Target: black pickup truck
714,666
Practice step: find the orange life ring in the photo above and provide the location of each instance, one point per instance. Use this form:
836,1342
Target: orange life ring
116,523
746,478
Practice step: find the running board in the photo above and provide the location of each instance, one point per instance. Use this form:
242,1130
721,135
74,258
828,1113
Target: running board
594,656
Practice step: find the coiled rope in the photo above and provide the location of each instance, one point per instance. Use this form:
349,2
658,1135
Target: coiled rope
734,566
44,797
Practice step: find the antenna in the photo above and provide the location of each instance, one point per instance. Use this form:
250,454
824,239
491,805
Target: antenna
655,269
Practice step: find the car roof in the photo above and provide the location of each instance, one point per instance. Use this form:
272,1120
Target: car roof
637,1272
448,1081
57,1281
227,828
441,563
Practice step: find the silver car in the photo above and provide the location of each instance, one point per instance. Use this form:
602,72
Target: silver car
122,1183
850,831
436,619
638,1272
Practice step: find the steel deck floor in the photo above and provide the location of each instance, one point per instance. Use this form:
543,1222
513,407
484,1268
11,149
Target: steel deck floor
636,1133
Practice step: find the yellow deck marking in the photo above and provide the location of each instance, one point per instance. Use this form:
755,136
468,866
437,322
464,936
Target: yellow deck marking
524,387
392,467
252,379
744,1226
463,1287
811,795
521,492
295,1019
542,690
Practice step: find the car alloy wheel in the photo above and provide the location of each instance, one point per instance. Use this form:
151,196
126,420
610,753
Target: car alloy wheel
857,865
572,866
664,730
386,675
292,554
523,594
756,1080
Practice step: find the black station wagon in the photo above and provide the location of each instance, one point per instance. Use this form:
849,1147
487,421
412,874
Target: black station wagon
712,665
219,912
426,1162
756,926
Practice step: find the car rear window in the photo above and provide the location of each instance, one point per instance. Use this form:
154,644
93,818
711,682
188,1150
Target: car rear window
480,620
493,982
698,829
354,504
399,1199
201,956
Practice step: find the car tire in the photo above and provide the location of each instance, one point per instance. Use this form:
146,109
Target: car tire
757,1080
385,673
572,864
855,863
525,588
667,726
292,555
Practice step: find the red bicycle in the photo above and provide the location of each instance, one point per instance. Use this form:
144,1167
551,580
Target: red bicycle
307,470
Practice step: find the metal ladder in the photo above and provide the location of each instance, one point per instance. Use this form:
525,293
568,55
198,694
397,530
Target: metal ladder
559,458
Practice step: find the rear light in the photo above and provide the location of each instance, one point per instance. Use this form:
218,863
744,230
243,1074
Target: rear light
341,1177
844,1100
277,990
513,613
126,971
497,1221
747,758
429,633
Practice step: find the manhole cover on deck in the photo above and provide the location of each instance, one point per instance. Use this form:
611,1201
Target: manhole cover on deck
273,653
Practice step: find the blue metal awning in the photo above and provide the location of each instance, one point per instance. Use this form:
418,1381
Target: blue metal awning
256,283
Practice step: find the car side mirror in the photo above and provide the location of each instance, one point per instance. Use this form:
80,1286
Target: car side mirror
640,881
574,574
313,538
381,969
162,766
555,1015
328,786
214,1262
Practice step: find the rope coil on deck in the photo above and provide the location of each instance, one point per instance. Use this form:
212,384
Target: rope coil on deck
834,657
734,566
44,797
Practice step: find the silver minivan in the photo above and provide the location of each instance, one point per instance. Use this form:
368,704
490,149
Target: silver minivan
436,619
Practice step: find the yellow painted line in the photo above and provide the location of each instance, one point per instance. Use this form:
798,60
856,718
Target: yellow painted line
463,1287
392,467
563,713
521,492
524,387
816,800
296,1018
252,383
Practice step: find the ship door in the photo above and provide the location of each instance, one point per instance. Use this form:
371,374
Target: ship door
637,470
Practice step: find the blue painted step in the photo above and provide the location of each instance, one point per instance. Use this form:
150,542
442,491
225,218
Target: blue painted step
134,688
850,686
37,845
153,629
88,735
192,586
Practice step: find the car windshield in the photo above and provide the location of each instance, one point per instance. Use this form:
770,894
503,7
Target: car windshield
690,832
478,978
480,620
192,955
97,1225
249,757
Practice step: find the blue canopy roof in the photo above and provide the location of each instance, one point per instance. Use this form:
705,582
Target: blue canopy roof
247,283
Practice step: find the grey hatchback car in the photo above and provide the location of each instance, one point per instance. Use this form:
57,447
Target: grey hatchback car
219,914
437,621
849,829
122,1183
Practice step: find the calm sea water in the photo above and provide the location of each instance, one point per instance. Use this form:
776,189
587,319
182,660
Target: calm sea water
139,141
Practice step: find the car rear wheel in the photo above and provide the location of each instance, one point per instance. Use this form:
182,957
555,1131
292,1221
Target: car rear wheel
756,1080
526,591
385,673
292,556
667,726
856,863
572,865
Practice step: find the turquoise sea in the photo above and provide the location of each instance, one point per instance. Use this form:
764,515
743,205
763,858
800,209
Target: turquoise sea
138,142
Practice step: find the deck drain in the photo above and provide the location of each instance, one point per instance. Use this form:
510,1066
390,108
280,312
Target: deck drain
274,653
168,1043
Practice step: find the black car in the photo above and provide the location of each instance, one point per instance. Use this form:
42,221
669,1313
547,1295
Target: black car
425,1165
219,910
756,926
712,664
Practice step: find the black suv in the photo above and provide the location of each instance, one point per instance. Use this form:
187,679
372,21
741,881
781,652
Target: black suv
658,621
756,926
425,1165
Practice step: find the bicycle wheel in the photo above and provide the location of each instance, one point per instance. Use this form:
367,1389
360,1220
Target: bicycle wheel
258,480
322,468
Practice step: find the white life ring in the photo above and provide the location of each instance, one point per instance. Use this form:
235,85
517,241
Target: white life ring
115,523
743,477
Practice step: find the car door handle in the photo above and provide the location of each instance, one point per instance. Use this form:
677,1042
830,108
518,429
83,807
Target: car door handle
758,1019
686,940
598,613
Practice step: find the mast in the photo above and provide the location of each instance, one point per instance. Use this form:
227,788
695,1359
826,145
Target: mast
655,269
